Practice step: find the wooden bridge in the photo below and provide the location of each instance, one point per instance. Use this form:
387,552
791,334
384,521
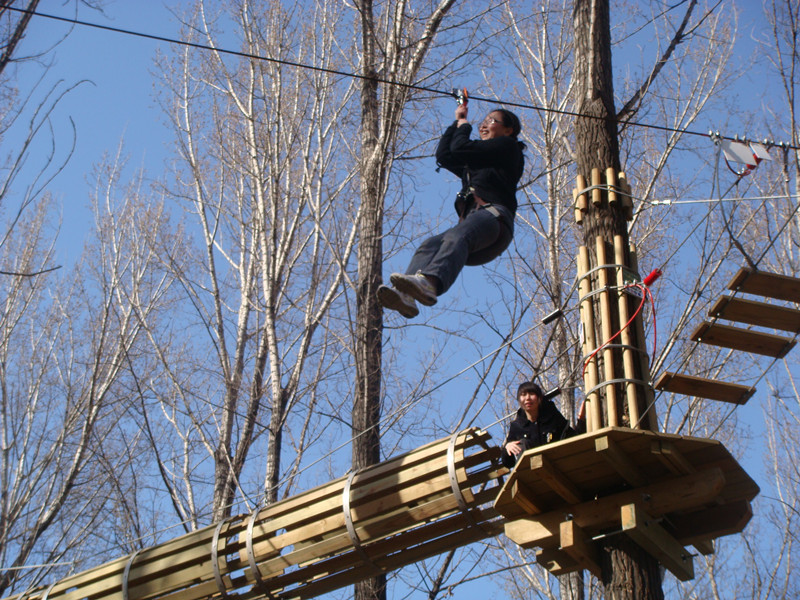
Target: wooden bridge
565,499
663,490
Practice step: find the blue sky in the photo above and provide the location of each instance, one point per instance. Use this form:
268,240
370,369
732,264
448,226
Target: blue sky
116,101
116,104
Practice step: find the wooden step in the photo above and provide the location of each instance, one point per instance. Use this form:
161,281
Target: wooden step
762,283
689,385
753,312
748,340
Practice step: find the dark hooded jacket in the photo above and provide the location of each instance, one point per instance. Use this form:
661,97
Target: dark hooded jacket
550,426
492,168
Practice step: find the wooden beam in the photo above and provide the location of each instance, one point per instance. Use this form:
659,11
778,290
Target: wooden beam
580,547
522,495
655,540
704,547
622,464
667,496
559,482
557,561
699,526
671,458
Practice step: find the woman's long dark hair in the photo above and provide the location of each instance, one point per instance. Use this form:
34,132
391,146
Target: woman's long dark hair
511,120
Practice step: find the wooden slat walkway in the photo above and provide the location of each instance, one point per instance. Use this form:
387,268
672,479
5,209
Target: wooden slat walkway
428,501
750,312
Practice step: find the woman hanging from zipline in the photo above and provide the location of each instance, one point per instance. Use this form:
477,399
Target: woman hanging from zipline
490,169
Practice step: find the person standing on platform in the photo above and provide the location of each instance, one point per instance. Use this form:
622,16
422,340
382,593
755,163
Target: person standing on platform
537,422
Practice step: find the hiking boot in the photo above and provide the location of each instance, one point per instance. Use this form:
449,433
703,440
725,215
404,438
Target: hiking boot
417,286
396,300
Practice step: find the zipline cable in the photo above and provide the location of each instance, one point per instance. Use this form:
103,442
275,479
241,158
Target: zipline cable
299,65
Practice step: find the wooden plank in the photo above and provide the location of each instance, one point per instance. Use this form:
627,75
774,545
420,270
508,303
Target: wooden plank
757,313
167,563
689,385
704,547
580,547
419,552
676,494
187,549
393,551
669,455
655,540
767,344
762,283
627,469
545,469
557,561
331,517
524,498
341,541
701,525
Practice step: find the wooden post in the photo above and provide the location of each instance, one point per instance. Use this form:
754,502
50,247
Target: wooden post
591,374
644,359
606,326
631,389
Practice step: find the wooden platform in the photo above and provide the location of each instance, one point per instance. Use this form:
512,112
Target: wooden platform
564,498
433,499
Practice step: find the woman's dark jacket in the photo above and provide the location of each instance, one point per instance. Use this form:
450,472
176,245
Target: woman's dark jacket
550,426
492,168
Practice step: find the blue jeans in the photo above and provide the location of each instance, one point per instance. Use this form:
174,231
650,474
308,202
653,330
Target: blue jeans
478,239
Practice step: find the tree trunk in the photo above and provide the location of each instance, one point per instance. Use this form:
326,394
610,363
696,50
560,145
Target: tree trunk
628,572
369,315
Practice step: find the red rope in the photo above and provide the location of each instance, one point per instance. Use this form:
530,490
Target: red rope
644,287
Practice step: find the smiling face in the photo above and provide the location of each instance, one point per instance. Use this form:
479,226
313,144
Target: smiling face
493,127
529,401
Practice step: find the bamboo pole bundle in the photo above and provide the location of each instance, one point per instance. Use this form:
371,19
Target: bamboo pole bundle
644,362
591,372
628,348
417,505
625,370
606,326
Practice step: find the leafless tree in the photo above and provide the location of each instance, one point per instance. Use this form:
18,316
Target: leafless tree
678,99
262,188
65,345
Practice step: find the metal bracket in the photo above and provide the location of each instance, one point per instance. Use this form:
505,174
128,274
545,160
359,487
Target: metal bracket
348,522
125,574
451,471
215,560
251,559
608,382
